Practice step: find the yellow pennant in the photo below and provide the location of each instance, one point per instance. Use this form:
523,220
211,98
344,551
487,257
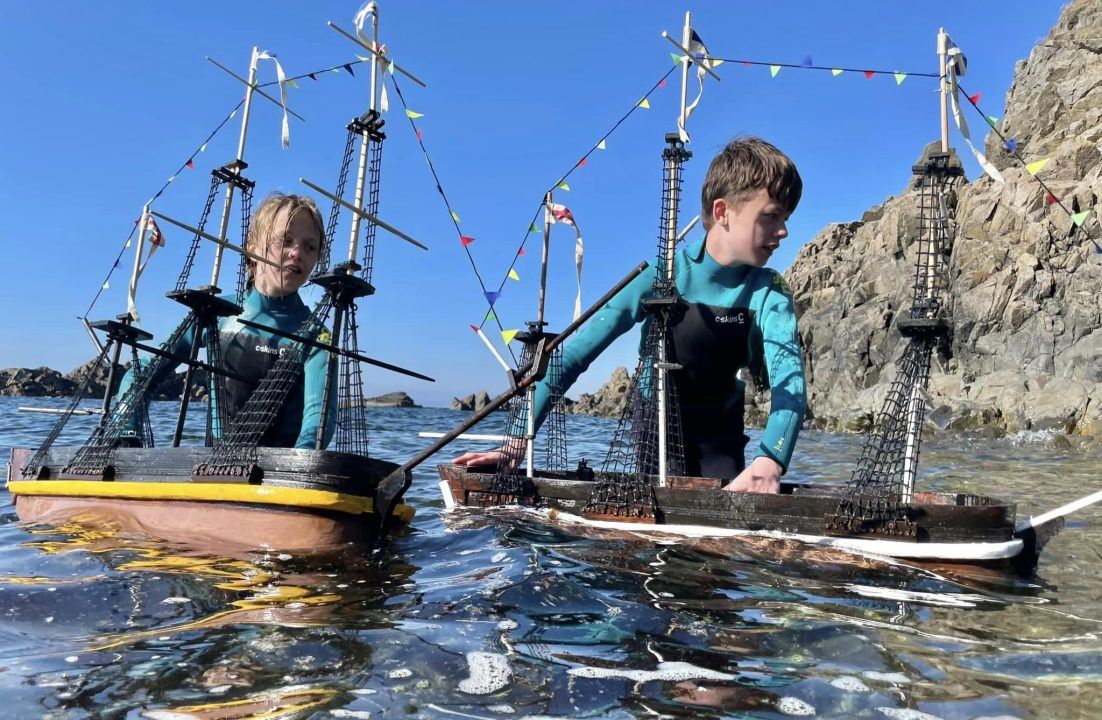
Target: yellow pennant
835,72
717,63
513,275
563,186
454,216
292,83
1035,167
900,77
508,335
774,69
413,115
645,104
361,58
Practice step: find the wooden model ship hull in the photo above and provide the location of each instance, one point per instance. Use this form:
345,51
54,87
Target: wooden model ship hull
303,499
952,527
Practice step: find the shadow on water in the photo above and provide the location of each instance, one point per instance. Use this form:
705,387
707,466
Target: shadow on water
491,614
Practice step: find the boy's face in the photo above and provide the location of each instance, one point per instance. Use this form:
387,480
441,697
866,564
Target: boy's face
747,231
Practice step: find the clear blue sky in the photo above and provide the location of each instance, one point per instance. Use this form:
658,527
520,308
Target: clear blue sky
103,101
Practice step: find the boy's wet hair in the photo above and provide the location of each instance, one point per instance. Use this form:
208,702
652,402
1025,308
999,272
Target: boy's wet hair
744,166
260,229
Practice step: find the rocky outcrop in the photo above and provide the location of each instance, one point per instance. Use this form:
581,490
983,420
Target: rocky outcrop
390,400
473,402
608,401
35,382
1024,296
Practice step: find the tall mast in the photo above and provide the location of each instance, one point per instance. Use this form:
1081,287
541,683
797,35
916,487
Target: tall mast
942,52
365,141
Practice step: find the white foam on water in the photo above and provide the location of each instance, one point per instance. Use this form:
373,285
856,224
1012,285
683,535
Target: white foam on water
961,600
907,714
507,625
72,659
342,713
898,678
667,671
504,709
364,691
168,715
175,600
850,684
795,706
399,673
499,557
489,672
997,717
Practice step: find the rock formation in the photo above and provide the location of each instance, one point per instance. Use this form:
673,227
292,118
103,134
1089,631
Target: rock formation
390,400
1025,297
473,402
608,401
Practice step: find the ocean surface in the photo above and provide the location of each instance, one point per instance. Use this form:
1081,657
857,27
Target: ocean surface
491,615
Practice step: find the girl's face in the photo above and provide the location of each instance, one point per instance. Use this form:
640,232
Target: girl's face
294,247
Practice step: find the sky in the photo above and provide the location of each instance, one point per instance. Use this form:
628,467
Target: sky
103,102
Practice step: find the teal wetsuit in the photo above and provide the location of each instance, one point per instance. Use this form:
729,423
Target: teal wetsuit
729,318
251,353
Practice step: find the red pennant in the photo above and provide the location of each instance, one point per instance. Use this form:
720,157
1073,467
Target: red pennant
746,63
419,135
869,74
581,163
521,251
190,163
974,99
466,240
662,82
1050,199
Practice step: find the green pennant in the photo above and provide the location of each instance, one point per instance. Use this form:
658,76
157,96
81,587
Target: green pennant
490,316
532,228
993,120
1080,217
676,58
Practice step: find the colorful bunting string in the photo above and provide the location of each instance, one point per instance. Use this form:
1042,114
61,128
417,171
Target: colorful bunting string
834,70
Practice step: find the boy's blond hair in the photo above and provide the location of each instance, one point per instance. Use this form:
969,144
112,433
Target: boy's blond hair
744,166
261,227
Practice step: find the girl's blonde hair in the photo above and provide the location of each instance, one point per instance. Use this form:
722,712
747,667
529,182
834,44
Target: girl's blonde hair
261,227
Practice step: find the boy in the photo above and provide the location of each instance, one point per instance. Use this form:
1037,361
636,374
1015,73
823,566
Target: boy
735,313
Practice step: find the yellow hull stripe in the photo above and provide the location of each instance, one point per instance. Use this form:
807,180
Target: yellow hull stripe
201,492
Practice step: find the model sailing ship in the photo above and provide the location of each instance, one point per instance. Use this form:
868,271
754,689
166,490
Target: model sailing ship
234,489
642,486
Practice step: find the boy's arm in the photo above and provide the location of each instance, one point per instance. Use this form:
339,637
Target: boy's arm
313,389
182,349
784,365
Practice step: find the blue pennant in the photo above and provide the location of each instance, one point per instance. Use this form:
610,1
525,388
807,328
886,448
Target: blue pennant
491,297
1012,145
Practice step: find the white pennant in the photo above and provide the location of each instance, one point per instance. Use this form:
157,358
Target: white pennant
146,225
384,100
957,65
361,18
696,44
579,249
282,77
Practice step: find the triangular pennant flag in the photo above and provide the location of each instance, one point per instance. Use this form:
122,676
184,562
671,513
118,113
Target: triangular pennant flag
716,63
993,120
1012,145
128,244
662,82
1097,249
190,163
1035,167
508,335
203,147
581,163
106,285
172,178
563,186
413,115
336,69
362,58
869,74
312,76
774,69
420,135
1050,199
292,83
455,216
676,58
233,113
746,63
835,72
975,99
489,316
466,240
532,228
1080,217
807,62
348,67
645,104
491,296
601,145
900,77
513,275
390,67
520,252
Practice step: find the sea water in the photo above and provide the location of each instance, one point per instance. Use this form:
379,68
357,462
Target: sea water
492,615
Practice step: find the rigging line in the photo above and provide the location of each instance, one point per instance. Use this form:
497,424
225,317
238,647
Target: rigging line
451,212
310,74
202,146
1013,151
826,67
577,165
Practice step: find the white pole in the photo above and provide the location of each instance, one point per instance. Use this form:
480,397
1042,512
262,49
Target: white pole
132,307
942,52
686,38
224,227
365,141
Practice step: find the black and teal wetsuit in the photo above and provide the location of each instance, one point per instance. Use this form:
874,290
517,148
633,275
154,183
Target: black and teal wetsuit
729,318
251,353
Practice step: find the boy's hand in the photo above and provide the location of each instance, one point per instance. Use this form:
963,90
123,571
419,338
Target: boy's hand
493,457
763,476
